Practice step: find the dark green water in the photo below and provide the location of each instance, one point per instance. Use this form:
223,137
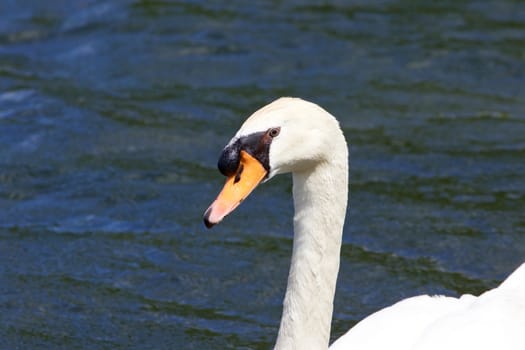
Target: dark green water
112,115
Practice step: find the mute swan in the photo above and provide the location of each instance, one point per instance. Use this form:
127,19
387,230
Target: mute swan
293,135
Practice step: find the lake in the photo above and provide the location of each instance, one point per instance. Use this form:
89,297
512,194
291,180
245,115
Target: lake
112,118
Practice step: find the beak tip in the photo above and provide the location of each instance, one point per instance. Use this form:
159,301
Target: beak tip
206,218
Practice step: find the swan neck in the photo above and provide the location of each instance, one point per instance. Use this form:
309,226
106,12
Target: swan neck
320,198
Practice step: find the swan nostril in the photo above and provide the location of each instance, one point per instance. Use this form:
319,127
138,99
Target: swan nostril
238,175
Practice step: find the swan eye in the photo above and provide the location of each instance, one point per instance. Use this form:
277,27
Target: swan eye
273,132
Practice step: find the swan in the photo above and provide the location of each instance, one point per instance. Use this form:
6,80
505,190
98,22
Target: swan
293,135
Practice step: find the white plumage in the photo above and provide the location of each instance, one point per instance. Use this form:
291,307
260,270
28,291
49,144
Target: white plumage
493,320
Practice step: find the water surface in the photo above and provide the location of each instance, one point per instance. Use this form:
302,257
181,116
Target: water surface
112,115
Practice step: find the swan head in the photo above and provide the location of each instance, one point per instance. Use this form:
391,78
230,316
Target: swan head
287,135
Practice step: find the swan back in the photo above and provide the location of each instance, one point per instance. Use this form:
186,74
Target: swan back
493,320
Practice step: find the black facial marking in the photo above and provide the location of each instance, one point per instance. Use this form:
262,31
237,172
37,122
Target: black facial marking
256,144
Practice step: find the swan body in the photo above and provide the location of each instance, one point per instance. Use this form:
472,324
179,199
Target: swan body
493,320
293,135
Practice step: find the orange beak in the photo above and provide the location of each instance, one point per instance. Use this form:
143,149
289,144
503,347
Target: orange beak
249,174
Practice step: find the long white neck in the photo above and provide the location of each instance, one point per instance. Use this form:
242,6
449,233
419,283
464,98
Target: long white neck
320,198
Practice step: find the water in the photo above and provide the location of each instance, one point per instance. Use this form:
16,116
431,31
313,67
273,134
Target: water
112,115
